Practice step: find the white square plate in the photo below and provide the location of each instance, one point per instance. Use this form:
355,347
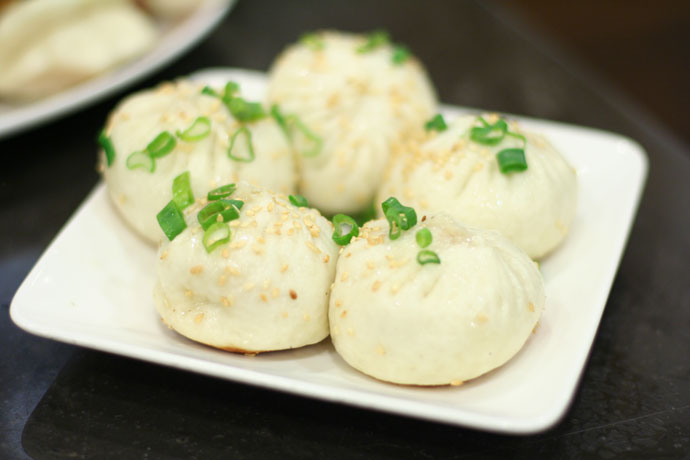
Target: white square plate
93,287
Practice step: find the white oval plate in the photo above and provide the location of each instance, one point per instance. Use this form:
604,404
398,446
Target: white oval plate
175,39
93,287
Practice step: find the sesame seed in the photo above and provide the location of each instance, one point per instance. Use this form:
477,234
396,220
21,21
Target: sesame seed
195,270
270,206
235,223
188,293
291,230
293,294
481,318
370,265
375,287
261,240
343,314
348,254
531,306
456,383
344,276
478,167
164,255
311,246
230,270
338,303
264,297
226,301
198,318
225,253
284,268
257,249
326,258
221,280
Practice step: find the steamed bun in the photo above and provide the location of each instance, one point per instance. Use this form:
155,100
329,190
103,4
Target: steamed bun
139,194
434,324
450,173
266,289
49,45
357,103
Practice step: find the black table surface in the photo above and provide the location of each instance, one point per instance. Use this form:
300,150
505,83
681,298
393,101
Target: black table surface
633,401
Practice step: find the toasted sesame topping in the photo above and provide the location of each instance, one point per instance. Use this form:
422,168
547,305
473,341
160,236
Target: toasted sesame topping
311,246
264,297
338,303
348,254
198,318
270,206
481,318
195,270
222,279
164,255
188,293
344,276
261,240
530,306
293,294
370,265
225,253
257,249
478,167
343,314
456,383
226,301
230,270
326,258
284,268
375,287
238,244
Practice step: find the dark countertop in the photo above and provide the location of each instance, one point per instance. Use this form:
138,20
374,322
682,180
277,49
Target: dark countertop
61,401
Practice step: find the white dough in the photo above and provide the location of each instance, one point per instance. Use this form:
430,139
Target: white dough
450,173
139,195
433,324
360,104
267,289
49,45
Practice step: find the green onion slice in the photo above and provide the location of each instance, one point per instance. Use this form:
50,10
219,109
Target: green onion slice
299,201
400,54
437,123
182,191
292,125
141,160
221,192
162,145
227,210
231,88
489,134
216,235
426,256
424,237
375,39
511,160
200,128
249,157
345,229
245,111
209,91
171,220
399,217
107,146
313,41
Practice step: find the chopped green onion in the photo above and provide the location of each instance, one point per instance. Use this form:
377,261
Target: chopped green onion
299,201
245,111
141,160
423,237
107,146
200,128
375,39
511,160
171,220
209,91
437,123
182,191
288,122
231,88
313,41
227,210
489,134
163,144
216,235
400,54
250,148
345,229
426,256
221,192
399,217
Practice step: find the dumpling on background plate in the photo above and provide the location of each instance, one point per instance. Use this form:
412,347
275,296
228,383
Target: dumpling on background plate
487,172
346,100
246,270
50,45
436,304
155,135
